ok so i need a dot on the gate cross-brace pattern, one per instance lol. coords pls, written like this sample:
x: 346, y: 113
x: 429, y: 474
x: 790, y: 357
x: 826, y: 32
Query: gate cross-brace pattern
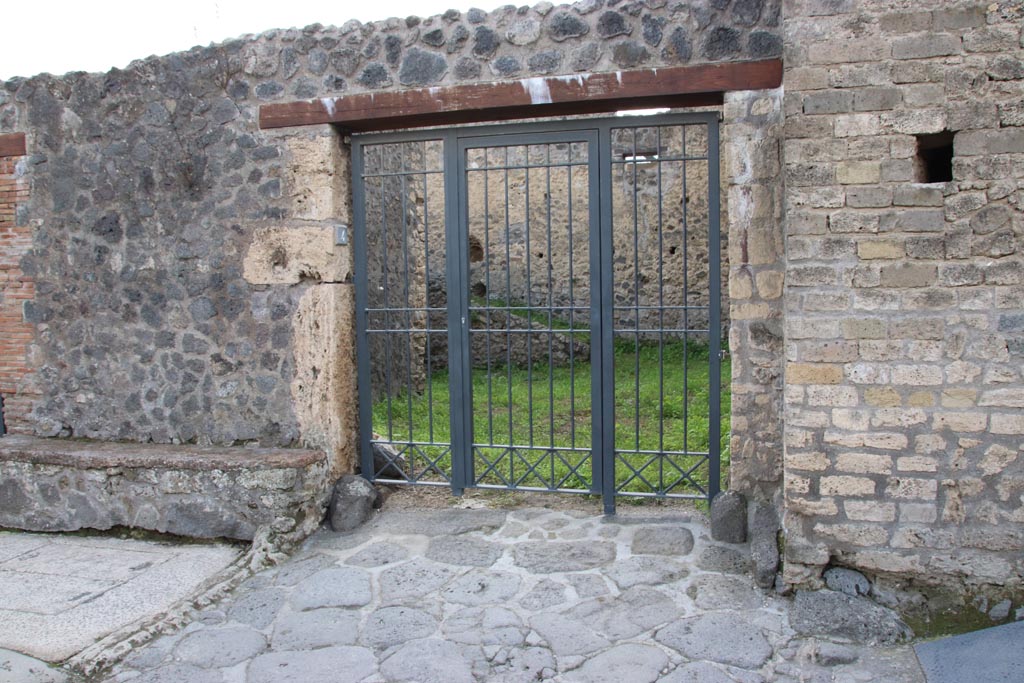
x: 538, y: 306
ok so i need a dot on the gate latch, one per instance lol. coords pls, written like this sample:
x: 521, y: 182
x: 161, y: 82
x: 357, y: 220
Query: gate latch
x: 341, y: 235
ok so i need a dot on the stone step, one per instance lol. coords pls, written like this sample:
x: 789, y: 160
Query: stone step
x: 187, y: 490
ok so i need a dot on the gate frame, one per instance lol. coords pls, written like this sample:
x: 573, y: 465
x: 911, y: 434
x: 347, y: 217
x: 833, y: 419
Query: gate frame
x: 457, y: 269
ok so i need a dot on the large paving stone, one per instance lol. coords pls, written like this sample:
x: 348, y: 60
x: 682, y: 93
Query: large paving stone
x: 828, y: 613
x: 524, y: 665
x: 717, y: 558
x: 326, y: 665
x: 627, y: 662
x: 378, y: 555
x: 568, y: 636
x: 627, y: 615
x: 176, y: 673
x: 549, y: 557
x: 428, y: 661
x: 438, y: 522
x: 589, y: 585
x: 726, y: 638
x: 697, y: 672
x: 662, y: 540
x: 715, y: 591
x: 465, y: 551
x: 413, y: 579
x: 389, y: 626
x: 335, y: 587
x: 644, y: 570
x: 545, y: 595
x: 258, y: 608
x: 485, y: 626
x: 480, y: 587
x: 212, y: 648
x: 293, y: 572
x: 315, y: 628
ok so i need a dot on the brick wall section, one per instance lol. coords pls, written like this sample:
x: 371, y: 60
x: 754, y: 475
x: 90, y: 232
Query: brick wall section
x: 15, y: 289
x: 904, y: 301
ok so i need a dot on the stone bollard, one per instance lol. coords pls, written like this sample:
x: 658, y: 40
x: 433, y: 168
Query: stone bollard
x: 729, y: 517
x: 764, y: 543
x: 353, y: 501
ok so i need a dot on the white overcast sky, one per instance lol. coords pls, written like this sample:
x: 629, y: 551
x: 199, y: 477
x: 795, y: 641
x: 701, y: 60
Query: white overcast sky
x: 77, y: 35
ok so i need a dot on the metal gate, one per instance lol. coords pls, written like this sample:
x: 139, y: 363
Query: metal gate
x: 538, y: 306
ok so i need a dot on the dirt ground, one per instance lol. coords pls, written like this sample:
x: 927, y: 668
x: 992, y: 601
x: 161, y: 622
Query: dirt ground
x: 440, y: 497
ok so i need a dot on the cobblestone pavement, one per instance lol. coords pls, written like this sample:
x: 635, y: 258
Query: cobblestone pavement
x: 453, y: 596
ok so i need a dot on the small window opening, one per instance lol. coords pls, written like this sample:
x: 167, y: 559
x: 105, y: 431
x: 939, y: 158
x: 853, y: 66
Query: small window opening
x: 935, y: 157
x: 3, y: 423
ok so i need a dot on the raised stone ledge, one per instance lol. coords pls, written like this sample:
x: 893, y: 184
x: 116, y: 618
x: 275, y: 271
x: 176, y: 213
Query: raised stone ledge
x: 265, y: 494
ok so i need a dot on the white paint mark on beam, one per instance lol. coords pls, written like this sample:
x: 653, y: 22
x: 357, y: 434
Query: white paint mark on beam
x: 578, y: 79
x: 537, y: 89
x: 328, y: 103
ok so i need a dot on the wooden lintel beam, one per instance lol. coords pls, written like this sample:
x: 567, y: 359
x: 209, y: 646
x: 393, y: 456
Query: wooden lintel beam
x: 12, y: 144
x: 529, y: 97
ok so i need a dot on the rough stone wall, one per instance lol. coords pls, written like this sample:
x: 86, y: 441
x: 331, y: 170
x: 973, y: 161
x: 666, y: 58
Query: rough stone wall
x: 904, y: 315
x: 16, y: 288
x: 151, y: 184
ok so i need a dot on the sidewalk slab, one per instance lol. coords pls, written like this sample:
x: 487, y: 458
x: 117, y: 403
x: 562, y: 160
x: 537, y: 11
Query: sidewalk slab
x: 61, y: 594
x: 991, y: 655
x: 18, y: 668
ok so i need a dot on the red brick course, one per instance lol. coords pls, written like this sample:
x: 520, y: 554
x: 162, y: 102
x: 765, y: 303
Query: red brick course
x: 16, y: 288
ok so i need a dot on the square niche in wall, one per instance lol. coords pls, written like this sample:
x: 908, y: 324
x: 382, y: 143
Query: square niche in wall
x: 934, y: 162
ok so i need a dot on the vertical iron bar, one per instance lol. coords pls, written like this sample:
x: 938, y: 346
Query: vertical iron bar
x: 602, y: 318
x: 686, y: 302
x: 529, y: 297
x: 572, y: 314
x: 508, y: 319
x: 458, y: 331
x: 636, y: 294
x: 551, y: 332
x: 428, y: 312
x: 403, y: 179
x: 361, y: 267
x: 714, y: 314
x: 385, y: 295
x: 661, y: 322
x: 487, y: 294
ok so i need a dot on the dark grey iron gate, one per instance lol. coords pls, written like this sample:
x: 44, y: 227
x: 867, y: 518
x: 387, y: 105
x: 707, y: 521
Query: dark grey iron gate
x: 538, y: 306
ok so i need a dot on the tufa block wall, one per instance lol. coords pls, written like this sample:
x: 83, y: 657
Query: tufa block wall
x: 904, y: 406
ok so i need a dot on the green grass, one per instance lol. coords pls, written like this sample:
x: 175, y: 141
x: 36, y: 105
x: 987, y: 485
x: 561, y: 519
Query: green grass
x: 549, y: 408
